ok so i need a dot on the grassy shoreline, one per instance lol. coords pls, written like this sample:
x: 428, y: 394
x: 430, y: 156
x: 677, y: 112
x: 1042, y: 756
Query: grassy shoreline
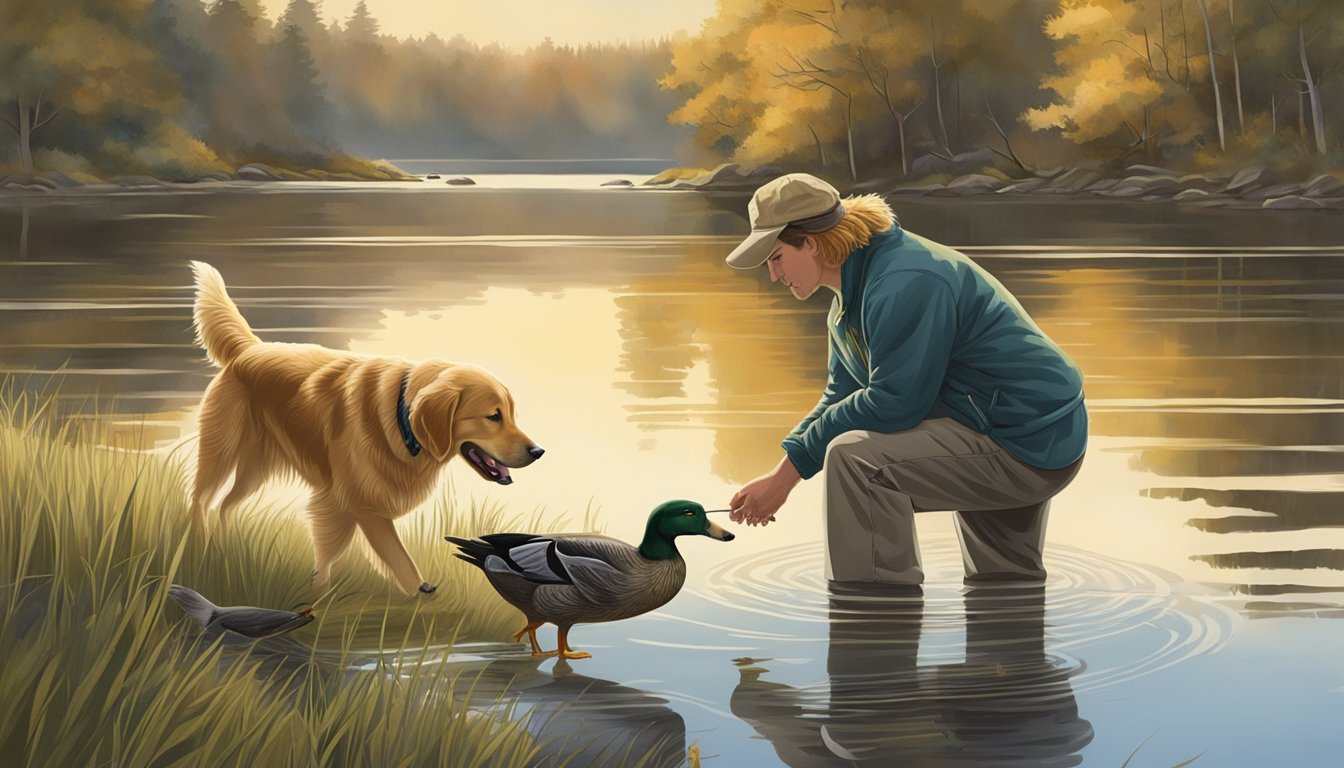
x: 102, y: 668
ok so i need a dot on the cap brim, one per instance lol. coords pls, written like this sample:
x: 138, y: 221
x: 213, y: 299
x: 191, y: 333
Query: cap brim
x: 753, y: 251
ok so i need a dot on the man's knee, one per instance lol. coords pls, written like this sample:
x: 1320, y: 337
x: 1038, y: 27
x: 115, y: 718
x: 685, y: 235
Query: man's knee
x: 849, y: 457
x: 845, y: 448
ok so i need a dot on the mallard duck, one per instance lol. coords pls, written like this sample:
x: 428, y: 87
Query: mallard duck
x: 569, y: 579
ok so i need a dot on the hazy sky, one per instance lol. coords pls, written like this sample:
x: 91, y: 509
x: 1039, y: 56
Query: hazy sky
x: 523, y: 23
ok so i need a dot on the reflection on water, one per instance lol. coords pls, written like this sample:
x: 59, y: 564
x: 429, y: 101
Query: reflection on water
x: 1097, y: 605
x: 580, y: 719
x: 1006, y: 704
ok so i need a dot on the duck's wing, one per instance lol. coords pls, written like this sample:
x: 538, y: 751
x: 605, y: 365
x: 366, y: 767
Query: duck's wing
x: 555, y: 560
x: 602, y: 568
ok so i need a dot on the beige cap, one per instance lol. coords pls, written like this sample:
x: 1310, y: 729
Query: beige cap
x: 798, y: 199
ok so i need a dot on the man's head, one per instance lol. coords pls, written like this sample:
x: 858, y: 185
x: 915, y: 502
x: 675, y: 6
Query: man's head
x: 803, y: 232
x: 798, y: 201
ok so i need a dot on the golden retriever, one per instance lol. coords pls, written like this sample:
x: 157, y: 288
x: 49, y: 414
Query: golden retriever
x: 369, y: 435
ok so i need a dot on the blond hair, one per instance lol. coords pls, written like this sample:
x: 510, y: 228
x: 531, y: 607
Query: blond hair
x: 865, y: 216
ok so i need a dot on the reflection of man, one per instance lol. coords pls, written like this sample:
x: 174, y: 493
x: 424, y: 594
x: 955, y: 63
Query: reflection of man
x: 942, y: 393
x: 1004, y: 706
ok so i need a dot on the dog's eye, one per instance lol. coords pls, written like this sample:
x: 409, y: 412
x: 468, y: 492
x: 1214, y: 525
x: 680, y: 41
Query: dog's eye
x: 496, y: 416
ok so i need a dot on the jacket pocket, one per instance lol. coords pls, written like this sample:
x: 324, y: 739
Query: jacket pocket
x: 982, y: 408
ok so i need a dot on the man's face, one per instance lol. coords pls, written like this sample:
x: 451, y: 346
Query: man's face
x: 797, y: 267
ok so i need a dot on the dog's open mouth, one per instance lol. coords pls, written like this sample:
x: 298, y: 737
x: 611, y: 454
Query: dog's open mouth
x: 486, y: 465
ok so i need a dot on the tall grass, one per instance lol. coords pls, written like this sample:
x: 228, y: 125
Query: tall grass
x: 100, y: 668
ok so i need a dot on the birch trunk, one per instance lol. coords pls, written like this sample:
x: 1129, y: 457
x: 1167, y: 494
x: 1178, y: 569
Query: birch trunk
x: 1313, y: 93
x: 849, y: 136
x: 1213, y: 74
x: 1236, y: 66
x: 25, y: 137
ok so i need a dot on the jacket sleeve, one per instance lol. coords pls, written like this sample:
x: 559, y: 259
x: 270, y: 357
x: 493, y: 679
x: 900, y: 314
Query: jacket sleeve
x: 839, y: 384
x: 910, y: 321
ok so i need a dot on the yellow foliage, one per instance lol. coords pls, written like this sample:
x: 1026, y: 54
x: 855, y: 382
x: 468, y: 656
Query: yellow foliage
x: 1078, y: 21
x: 178, y: 153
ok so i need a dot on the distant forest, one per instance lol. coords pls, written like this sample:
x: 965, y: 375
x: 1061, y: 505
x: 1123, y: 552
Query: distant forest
x: 182, y: 88
x: 856, y: 88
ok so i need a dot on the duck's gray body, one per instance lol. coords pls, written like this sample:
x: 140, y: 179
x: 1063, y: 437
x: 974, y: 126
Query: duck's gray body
x: 573, y: 578
x: 242, y: 619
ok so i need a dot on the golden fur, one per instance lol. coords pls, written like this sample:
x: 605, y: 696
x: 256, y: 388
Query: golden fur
x: 331, y: 418
x: 865, y: 216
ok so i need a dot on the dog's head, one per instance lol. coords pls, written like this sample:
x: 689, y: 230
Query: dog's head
x: 464, y: 409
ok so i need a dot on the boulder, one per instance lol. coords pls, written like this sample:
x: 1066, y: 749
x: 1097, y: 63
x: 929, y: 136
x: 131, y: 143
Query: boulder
x: 1276, y: 190
x: 1324, y: 185
x: 432, y: 176
x: 922, y: 189
x: 1247, y: 179
x: 1191, y: 194
x: 1150, y: 170
x: 975, y: 184
x: 618, y: 183
x: 138, y: 181
x: 1098, y: 187
x: 1022, y: 187
x: 1071, y: 181
x: 1124, y: 189
x: 1292, y: 202
x: 1154, y: 184
x: 1203, y: 181
x: 256, y: 172
x: 460, y: 181
x: 734, y: 176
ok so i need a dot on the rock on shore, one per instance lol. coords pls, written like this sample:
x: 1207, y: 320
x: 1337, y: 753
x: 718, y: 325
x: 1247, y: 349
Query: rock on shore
x: 960, y: 176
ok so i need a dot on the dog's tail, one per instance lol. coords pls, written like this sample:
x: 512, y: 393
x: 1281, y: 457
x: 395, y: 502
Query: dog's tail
x: 220, y: 327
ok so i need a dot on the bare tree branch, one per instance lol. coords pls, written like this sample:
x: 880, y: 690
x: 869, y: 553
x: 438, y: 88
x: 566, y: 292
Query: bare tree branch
x: 1011, y: 154
x: 50, y: 117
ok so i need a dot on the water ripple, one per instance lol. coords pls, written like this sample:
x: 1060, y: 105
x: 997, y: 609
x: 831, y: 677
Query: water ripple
x: 1106, y: 621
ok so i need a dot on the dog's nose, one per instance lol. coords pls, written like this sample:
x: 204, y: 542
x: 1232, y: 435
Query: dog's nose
x: 536, y: 451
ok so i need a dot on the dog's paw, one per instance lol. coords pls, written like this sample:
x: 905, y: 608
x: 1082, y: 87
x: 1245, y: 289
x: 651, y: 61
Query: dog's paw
x: 427, y: 589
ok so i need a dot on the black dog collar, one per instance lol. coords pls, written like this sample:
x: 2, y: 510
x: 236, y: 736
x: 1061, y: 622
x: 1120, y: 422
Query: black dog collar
x: 404, y: 420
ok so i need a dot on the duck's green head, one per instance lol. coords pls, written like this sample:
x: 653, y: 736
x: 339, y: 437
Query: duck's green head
x: 677, y: 518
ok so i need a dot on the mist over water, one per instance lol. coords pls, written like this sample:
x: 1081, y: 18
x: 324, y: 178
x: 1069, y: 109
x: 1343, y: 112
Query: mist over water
x: 1195, y: 563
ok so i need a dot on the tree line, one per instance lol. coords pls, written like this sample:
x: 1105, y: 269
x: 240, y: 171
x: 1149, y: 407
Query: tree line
x: 863, y: 86
x: 182, y: 88
x: 860, y: 88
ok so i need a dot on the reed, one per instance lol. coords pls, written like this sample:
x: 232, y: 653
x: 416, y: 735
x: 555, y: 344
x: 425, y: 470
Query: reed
x: 101, y: 668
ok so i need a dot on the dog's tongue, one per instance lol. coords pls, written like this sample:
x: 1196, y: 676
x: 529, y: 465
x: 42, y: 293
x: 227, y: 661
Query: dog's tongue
x: 498, y: 472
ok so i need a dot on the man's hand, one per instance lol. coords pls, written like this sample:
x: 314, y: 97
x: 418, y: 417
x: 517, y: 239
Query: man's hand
x: 760, y: 499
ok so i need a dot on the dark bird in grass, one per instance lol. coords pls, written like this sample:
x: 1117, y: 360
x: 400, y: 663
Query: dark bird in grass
x: 242, y: 619
x: 569, y: 579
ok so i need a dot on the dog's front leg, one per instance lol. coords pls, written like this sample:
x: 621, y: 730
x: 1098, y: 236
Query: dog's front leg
x: 382, y: 535
x: 333, y: 530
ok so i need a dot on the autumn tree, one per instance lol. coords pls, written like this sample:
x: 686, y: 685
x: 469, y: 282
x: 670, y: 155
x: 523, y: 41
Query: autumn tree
x: 1121, y: 86
x: 109, y: 77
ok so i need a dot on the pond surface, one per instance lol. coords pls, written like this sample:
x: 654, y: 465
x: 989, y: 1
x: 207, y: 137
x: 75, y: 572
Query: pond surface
x: 1196, y: 592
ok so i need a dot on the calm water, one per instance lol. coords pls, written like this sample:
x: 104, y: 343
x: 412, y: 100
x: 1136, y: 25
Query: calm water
x: 1196, y: 563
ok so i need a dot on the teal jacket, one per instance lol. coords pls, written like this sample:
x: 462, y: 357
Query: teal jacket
x: 919, y: 330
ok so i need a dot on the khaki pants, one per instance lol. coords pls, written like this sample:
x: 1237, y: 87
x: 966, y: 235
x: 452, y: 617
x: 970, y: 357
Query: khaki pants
x: 875, y: 483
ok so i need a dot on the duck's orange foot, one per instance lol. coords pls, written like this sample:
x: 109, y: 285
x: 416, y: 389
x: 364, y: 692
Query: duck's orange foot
x: 562, y: 640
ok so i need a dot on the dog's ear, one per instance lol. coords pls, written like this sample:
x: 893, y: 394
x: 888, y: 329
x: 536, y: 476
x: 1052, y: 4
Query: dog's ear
x: 433, y: 414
